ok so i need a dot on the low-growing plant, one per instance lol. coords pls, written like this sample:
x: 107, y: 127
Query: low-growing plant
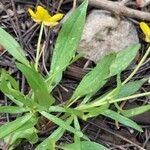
x: 39, y: 102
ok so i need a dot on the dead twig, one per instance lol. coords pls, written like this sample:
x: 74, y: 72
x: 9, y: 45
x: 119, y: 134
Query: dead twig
x: 74, y: 4
x: 59, y: 5
x: 17, y: 22
x: 119, y: 9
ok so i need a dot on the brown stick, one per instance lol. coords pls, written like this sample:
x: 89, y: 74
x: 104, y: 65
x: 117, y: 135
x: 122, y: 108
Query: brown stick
x: 119, y: 8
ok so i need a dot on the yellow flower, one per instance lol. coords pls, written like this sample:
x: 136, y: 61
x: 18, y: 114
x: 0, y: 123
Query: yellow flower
x: 42, y: 16
x: 146, y: 30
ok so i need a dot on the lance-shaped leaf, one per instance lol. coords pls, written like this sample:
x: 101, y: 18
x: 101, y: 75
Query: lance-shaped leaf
x: 38, y: 85
x: 12, y: 46
x: 117, y: 117
x: 16, y: 96
x: 10, y: 127
x: 95, y: 79
x: 62, y: 123
x: 26, y: 131
x: 130, y: 88
x: 85, y: 145
x: 123, y: 59
x: 67, y: 42
x: 136, y: 111
x: 12, y: 109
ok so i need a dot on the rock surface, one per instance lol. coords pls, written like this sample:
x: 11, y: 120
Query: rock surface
x: 104, y: 33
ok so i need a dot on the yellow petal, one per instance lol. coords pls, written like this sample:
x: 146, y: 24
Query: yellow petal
x: 47, y: 23
x: 145, y: 28
x: 34, y: 16
x: 47, y: 18
x: 37, y: 20
x: 57, y: 17
x: 41, y: 13
x: 147, y: 39
x: 31, y: 12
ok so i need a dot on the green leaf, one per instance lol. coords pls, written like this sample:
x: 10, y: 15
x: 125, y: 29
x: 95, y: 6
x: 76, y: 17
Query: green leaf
x: 12, y: 46
x: 16, y: 96
x: 93, y: 112
x: 5, y: 75
x: 77, y: 139
x: 110, y: 94
x: 85, y: 145
x: 135, y: 111
x: 27, y: 131
x: 117, y: 117
x: 28, y: 134
x: 49, y: 143
x: 123, y: 59
x: 123, y: 90
x: 95, y: 79
x: 10, y: 127
x: 67, y: 42
x: 61, y: 123
x: 65, y: 109
x: 115, y: 96
x: 38, y: 85
x: 29, y: 124
x: 12, y: 109
x: 130, y: 88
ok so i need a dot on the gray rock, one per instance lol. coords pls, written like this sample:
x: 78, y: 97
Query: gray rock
x: 104, y: 33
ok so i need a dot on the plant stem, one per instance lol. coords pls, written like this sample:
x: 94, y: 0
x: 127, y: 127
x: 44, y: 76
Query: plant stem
x: 138, y: 66
x: 38, y: 47
x: 107, y: 101
x: 127, y: 98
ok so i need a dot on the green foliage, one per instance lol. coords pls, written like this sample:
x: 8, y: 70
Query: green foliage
x: 66, y: 110
x: 117, y: 117
x: 123, y: 59
x: 61, y: 123
x: 28, y: 134
x: 15, y: 95
x: 95, y: 79
x: 12, y: 46
x: 85, y: 145
x: 136, y: 111
x: 10, y: 127
x: 38, y: 85
x: 93, y: 112
x: 27, y: 131
x: 130, y: 88
x: 38, y: 101
x: 5, y: 76
x: 12, y: 109
x: 120, y: 93
x: 67, y: 42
